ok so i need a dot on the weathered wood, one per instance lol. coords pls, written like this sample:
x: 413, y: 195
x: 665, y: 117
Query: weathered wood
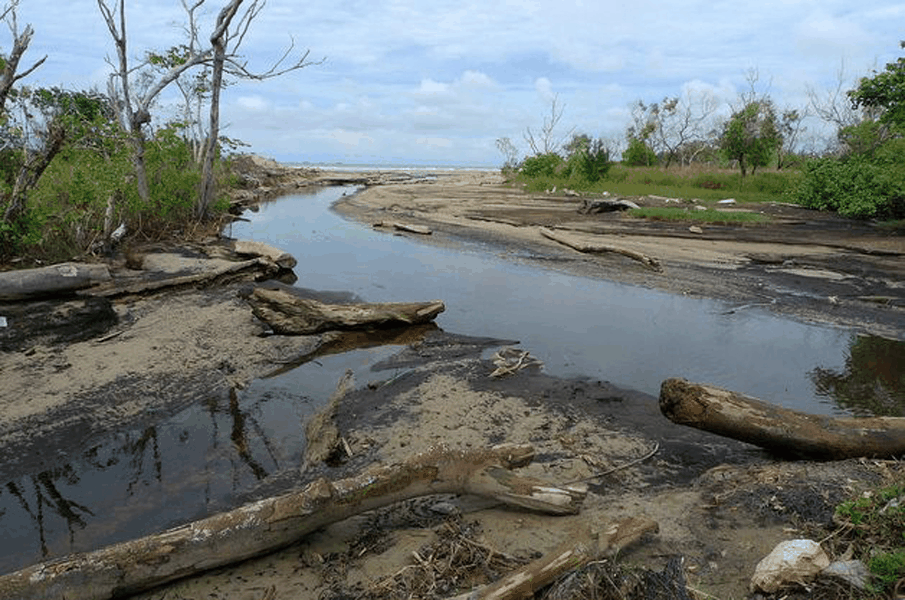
x: 230, y: 271
x: 321, y: 432
x: 571, y: 555
x: 778, y: 429
x: 58, y: 279
x: 591, y: 207
x: 273, y: 523
x: 647, y: 261
x: 408, y: 227
x: 289, y: 314
x: 282, y: 259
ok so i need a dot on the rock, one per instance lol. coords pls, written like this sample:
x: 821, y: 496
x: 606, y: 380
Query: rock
x: 590, y: 207
x: 695, y: 229
x: 699, y: 207
x: 284, y: 260
x: 792, y: 561
x: 854, y: 572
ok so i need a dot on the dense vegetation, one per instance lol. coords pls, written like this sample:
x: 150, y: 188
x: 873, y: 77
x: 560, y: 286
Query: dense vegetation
x: 676, y: 148
x: 79, y: 170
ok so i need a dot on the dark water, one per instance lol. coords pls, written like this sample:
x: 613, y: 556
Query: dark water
x: 203, y: 459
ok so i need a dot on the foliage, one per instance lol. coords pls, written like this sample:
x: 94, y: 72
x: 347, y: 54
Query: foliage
x: 884, y: 91
x: 541, y: 165
x: 875, y: 522
x: 855, y: 186
x: 751, y: 135
x: 639, y: 154
x: 589, y: 159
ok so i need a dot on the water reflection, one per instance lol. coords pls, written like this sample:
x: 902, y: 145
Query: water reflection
x: 872, y: 381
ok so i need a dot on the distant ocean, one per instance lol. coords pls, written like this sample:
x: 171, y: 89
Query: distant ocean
x: 355, y: 167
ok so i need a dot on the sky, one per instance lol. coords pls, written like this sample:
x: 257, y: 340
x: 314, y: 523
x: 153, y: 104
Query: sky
x: 436, y: 82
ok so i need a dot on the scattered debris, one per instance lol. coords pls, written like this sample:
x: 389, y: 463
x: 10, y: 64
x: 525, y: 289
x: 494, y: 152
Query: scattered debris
x: 792, y: 561
x: 512, y: 360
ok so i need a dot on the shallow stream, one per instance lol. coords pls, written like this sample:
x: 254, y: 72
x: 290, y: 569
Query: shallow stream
x: 200, y: 460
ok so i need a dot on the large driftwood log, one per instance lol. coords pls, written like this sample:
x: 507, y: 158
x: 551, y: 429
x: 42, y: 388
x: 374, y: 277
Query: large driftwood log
x: 289, y: 314
x: 778, y: 429
x: 569, y: 556
x: 50, y: 281
x: 282, y: 259
x: 273, y: 523
x: 225, y: 272
x: 649, y: 262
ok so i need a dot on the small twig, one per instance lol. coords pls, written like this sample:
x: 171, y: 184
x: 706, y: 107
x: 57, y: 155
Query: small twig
x: 632, y: 463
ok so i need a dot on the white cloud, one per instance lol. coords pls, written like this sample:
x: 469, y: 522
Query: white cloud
x: 434, y: 142
x: 544, y: 88
x: 254, y: 103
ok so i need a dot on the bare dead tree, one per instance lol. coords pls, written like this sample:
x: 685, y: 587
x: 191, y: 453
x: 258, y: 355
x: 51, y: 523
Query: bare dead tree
x: 546, y: 141
x: 35, y: 159
x: 20, y: 44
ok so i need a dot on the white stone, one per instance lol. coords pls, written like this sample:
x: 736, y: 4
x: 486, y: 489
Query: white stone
x: 792, y: 561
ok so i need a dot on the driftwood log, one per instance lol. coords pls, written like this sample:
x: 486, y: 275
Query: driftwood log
x: 59, y: 279
x: 780, y: 430
x: 321, y: 432
x: 289, y: 314
x: 649, y: 262
x: 270, y: 524
x: 569, y: 556
x: 407, y: 227
x: 282, y: 259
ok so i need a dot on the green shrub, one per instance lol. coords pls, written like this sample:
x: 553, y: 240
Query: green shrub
x: 854, y: 187
x: 542, y: 165
x: 639, y: 154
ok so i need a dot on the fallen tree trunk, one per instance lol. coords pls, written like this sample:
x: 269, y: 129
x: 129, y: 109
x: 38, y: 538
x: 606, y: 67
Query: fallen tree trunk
x: 569, y: 556
x: 778, y: 429
x: 220, y: 273
x: 270, y: 524
x: 419, y: 229
x: 647, y: 261
x: 50, y: 281
x: 289, y: 314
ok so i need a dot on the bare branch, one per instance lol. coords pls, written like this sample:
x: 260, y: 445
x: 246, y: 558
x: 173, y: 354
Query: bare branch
x: 20, y: 44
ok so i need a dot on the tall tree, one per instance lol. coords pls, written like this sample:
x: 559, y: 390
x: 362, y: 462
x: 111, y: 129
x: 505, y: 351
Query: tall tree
x: 885, y: 91
x: 751, y: 136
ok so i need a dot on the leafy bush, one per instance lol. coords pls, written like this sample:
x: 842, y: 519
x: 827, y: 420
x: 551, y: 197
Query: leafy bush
x: 854, y: 187
x: 639, y: 154
x: 542, y: 165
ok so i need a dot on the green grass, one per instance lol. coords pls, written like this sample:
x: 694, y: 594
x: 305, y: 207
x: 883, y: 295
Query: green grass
x: 698, y: 216
x: 875, y: 528
x: 697, y: 182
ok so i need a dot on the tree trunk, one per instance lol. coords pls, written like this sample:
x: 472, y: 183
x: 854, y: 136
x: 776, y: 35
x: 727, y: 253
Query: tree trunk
x: 649, y: 262
x: 270, y: 524
x: 58, y: 279
x: 777, y: 429
x: 288, y: 314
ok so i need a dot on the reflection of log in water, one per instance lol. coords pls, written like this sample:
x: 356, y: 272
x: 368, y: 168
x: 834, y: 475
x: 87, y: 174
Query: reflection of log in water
x: 347, y: 341
x: 137, y: 451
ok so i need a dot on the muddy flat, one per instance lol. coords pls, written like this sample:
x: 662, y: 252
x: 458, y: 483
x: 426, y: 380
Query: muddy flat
x: 720, y: 504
